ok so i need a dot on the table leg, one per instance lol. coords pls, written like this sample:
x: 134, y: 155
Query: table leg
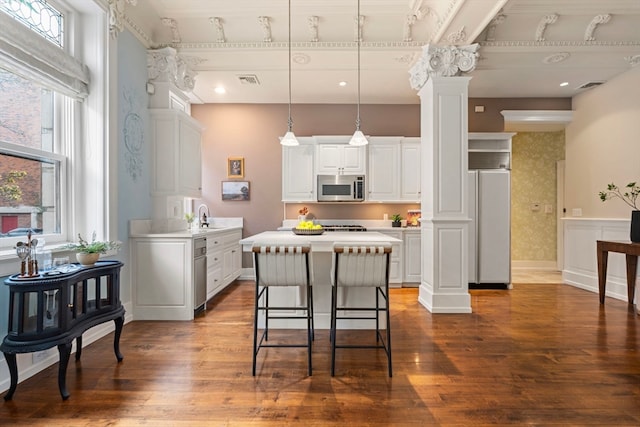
x: 632, y: 268
x: 119, y: 321
x: 602, y: 273
x: 65, y: 351
x: 78, y: 348
x: 13, y: 370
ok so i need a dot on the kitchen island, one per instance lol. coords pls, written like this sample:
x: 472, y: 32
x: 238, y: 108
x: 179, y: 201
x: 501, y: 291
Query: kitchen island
x: 321, y: 256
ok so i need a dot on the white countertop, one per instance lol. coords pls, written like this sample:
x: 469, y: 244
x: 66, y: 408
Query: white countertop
x: 321, y: 243
x: 176, y: 229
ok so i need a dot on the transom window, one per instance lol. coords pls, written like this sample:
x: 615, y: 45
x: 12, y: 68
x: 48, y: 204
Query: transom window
x: 38, y: 15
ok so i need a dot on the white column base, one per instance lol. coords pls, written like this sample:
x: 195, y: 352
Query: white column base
x: 443, y: 303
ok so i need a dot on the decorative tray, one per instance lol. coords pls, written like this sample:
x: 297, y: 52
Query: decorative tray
x: 306, y: 232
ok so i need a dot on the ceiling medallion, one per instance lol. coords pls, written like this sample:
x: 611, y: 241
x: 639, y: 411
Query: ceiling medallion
x: 301, y: 58
x: 556, y: 57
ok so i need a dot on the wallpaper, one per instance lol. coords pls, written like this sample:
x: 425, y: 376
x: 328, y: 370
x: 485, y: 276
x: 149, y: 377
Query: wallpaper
x: 533, y: 181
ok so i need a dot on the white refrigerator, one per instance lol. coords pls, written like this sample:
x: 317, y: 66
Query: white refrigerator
x: 490, y: 227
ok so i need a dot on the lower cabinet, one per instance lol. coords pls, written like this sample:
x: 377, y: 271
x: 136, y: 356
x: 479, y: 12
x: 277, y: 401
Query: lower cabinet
x: 412, y: 256
x: 224, y: 260
x: 162, y: 274
x: 396, y: 267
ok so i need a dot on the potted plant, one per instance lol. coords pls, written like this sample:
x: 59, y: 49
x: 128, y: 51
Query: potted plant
x: 396, y: 220
x: 190, y: 217
x: 87, y: 253
x: 630, y: 197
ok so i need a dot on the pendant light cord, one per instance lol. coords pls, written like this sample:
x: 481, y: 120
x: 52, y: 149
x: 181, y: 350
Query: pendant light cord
x: 290, y: 122
x: 358, y: 41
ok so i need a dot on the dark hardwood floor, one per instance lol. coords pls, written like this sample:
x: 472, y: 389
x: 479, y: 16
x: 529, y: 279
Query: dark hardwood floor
x: 543, y: 354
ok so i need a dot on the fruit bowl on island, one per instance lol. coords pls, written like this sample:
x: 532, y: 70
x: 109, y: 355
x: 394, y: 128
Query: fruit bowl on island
x: 308, y: 228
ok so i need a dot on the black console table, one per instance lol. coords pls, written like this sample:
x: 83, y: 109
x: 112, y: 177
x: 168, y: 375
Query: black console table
x: 53, y: 309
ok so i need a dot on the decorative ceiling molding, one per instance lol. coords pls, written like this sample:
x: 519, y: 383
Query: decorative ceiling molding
x: 591, y: 28
x: 559, y: 43
x: 265, y: 25
x: 542, y: 26
x: 450, y: 11
x: 138, y: 32
x: 408, y: 24
x: 117, y: 15
x: 301, y: 58
x: 166, y: 65
x: 457, y: 37
x: 173, y: 26
x: 442, y: 61
x: 219, y: 24
x: 312, y: 21
x: 633, y: 60
x: 556, y: 57
x: 359, y: 23
x: 491, y: 29
x: 300, y: 45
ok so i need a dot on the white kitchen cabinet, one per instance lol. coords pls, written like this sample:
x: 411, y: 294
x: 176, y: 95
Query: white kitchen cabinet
x: 412, y: 256
x: 224, y: 260
x: 214, y: 266
x: 410, y: 170
x: 396, y: 262
x: 176, y: 154
x: 384, y: 169
x: 340, y: 158
x: 394, y: 170
x: 298, y: 171
x: 162, y: 272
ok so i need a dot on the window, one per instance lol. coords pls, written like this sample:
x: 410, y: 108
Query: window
x: 38, y: 15
x: 54, y: 121
x: 30, y: 169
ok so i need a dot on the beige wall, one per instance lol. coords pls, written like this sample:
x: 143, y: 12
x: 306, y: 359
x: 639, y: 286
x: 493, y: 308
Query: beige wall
x: 492, y: 121
x: 533, y: 180
x: 603, y: 145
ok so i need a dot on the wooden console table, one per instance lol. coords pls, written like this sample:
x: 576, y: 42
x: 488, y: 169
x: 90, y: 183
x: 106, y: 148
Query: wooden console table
x: 631, y: 251
x: 53, y: 309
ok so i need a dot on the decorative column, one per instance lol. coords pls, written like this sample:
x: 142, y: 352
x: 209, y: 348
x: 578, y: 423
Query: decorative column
x: 171, y: 75
x: 445, y: 211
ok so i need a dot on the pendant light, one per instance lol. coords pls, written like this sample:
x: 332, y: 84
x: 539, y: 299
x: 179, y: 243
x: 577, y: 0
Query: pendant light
x: 289, y: 138
x: 358, y: 137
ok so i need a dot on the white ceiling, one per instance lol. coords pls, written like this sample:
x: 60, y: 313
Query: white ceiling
x: 517, y: 58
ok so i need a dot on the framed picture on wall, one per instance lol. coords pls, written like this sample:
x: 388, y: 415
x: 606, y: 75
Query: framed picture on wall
x: 235, y: 190
x: 235, y: 167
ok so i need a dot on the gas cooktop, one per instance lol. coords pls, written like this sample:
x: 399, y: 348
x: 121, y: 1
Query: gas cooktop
x: 339, y: 227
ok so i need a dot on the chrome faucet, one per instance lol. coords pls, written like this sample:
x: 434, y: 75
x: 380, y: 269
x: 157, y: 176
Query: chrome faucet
x: 203, y: 219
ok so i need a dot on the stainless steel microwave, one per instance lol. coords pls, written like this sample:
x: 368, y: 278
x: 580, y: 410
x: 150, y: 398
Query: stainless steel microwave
x: 341, y: 188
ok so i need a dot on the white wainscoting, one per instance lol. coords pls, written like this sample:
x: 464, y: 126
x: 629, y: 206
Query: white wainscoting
x: 580, y: 259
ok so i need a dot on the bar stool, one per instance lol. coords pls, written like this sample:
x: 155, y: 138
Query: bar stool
x: 280, y: 266
x: 361, y: 265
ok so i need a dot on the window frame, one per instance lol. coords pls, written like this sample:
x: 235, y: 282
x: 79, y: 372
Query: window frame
x: 90, y: 170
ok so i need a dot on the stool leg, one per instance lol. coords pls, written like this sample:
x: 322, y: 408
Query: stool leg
x: 255, y: 332
x: 309, y: 326
x: 388, y: 331
x: 332, y: 334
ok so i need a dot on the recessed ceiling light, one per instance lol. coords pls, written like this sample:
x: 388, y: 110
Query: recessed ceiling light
x: 220, y: 90
x: 342, y: 83
x: 563, y: 84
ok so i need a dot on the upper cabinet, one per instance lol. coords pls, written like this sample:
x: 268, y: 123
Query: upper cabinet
x: 334, y: 156
x: 394, y: 169
x: 410, y: 171
x: 298, y: 174
x: 176, y: 147
x: 490, y: 150
x: 383, y: 178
